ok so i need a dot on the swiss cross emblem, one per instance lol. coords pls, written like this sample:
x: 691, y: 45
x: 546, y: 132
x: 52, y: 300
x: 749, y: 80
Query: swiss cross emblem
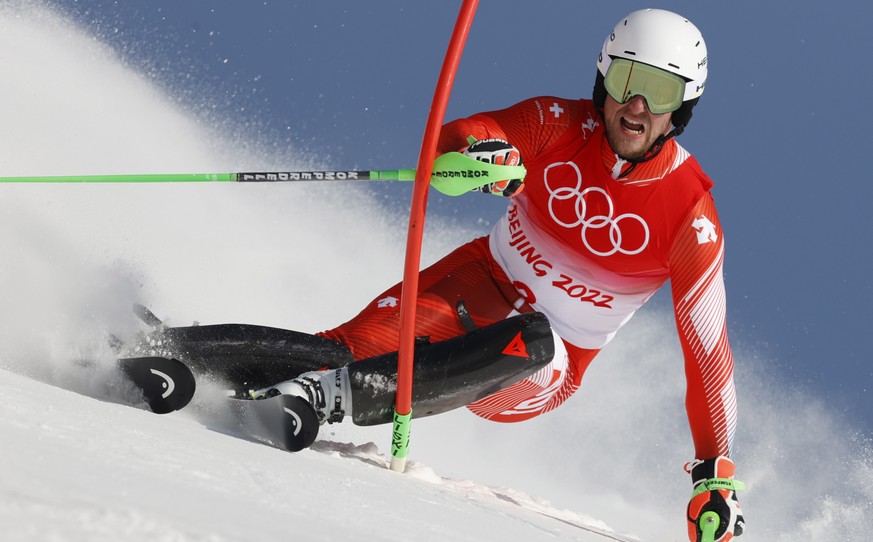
x: 556, y: 110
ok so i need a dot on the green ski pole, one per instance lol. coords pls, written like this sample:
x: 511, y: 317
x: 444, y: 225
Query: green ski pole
x: 453, y: 174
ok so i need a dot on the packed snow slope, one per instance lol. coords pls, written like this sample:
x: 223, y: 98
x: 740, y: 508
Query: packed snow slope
x: 73, y: 259
x: 86, y: 470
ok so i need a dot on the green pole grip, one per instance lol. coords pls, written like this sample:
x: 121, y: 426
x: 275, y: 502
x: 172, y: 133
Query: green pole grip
x: 455, y: 173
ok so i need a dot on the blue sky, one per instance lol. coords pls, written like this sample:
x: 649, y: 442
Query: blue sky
x: 779, y: 130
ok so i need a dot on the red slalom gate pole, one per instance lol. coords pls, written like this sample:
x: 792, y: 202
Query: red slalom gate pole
x: 409, y: 295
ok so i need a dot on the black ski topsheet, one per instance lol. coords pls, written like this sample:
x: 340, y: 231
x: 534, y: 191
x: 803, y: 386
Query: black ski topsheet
x: 455, y: 372
x: 244, y: 356
x: 167, y: 384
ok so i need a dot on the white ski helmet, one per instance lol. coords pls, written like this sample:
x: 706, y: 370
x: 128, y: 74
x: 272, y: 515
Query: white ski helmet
x: 664, y: 40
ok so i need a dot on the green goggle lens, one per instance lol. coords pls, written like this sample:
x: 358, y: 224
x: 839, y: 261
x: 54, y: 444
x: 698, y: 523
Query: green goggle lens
x: 662, y: 90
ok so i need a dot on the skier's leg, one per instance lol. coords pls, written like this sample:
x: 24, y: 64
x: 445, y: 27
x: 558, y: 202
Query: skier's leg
x: 540, y: 392
x: 467, y: 276
x: 466, y: 289
x: 447, y: 375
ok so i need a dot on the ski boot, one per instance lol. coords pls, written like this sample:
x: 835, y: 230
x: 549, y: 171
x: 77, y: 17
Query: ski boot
x: 311, y: 399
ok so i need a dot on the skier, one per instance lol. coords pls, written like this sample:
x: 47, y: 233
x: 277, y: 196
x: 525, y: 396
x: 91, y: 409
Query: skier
x: 611, y: 208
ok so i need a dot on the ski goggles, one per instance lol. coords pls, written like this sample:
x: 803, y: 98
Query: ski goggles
x: 662, y: 90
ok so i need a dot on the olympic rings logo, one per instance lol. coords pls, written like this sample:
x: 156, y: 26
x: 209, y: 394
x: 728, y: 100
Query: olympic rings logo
x: 579, y: 203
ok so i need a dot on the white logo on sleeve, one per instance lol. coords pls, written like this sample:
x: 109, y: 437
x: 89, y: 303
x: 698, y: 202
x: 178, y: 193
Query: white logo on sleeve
x: 387, y: 302
x: 705, y: 230
x: 589, y: 126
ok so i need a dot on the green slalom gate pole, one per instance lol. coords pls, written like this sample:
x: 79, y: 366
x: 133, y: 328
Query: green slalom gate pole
x: 452, y: 174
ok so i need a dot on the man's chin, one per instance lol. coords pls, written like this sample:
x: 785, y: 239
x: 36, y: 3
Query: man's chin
x: 629, y: 153
x: 630, y: 156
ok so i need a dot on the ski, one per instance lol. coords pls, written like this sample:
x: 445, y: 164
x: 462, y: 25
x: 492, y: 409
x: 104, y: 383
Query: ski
x: 284, y: 421
x: 240, y: 356
x: 167, y: 384
x: 147, y: 316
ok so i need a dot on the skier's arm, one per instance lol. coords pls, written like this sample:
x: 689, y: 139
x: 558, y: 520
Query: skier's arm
x: 509, y: 135
x: 524, y: 125
x: 696, y: 260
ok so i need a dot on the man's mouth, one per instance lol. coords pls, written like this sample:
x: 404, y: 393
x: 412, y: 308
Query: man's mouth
x: 632, y: 127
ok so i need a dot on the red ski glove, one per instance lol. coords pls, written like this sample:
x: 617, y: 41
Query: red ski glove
x: 714, y: 515
x: 497, y: 151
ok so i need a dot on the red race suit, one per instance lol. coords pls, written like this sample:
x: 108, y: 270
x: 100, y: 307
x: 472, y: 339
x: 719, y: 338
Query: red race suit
x: 586, y: 246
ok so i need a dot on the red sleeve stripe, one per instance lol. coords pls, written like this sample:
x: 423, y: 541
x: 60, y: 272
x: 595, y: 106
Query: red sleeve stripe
x: 705, y: 305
